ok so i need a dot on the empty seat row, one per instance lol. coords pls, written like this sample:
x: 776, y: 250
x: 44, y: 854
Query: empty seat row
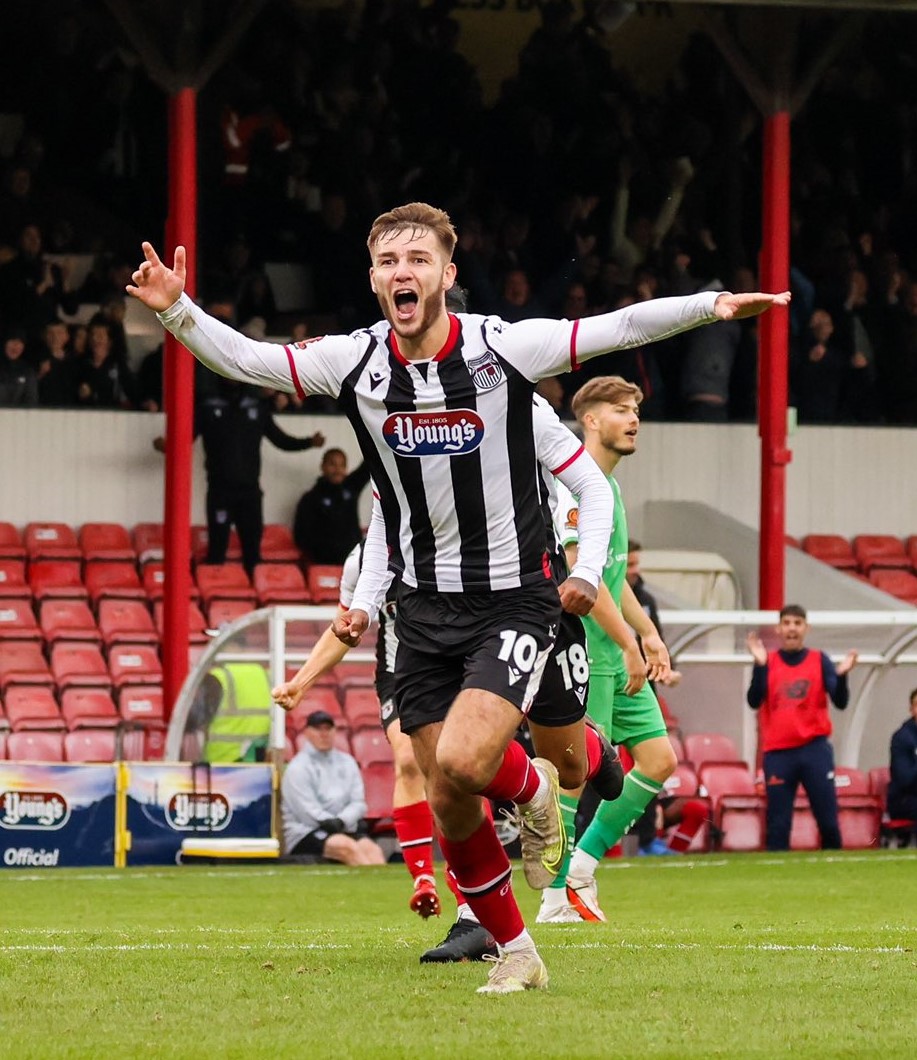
x: 27, y: 706
x: 85, y: 745
x: 77, y: 664
x: 865, y: 552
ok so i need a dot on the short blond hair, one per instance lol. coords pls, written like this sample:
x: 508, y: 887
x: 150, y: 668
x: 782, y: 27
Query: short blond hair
x: 417, y: 217
x: 601, y: 389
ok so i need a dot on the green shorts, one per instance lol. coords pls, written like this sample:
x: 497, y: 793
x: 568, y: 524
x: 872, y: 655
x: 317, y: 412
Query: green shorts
x: 628, y: 720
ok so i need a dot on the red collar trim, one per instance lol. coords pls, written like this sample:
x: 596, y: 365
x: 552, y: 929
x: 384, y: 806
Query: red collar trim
x: 451, y: 340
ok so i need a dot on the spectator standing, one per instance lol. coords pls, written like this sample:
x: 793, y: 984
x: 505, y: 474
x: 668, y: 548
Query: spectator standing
x: 232, y: 420
x: 819, y: 373
x: 323, y: 800
x: 902, y: 785
x: 18, y: 378
x: 791, y: 687
x: 101, y: 380
x: 326, y: 525
x: 32, y: 289
x: 56, y: 368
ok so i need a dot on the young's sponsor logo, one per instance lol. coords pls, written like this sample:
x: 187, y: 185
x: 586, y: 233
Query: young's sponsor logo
x: 28, y: 857
x: 192, y: 812
x: 450, y: 433
x: 33, y: 809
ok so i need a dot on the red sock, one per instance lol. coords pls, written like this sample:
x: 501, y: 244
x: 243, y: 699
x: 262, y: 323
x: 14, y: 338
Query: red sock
x: 448, y: 873
x: 693, y: 815
x: 593, y: 752
x: 516, y: 780
x: 414, y: 828
x: 483, y: 874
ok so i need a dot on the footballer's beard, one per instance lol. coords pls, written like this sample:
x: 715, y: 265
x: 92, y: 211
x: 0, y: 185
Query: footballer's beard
x: 429, y: 308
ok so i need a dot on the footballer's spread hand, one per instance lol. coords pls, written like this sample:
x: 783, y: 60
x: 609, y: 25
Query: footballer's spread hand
x: 350, y: 626
x: 577, y: 596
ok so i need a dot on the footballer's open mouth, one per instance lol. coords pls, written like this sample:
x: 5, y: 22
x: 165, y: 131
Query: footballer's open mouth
x: 405, y: 304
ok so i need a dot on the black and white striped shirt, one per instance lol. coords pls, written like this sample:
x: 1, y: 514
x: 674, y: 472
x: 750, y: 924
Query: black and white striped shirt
x: 449, y: 440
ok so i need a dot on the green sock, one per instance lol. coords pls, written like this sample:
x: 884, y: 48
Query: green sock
x: 568, y: 807
x: 612, y: 819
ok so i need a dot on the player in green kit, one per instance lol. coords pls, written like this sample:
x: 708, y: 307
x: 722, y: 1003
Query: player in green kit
x: 620, y: 701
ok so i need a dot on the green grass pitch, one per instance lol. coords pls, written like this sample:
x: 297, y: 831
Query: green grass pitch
x: 741, y: 956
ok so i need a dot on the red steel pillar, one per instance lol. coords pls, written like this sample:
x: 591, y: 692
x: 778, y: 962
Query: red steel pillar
x: 181, y: 229
x: 773, y: 388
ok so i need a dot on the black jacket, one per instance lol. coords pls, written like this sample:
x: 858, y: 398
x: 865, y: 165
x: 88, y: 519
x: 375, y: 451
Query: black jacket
x: 327, y: 524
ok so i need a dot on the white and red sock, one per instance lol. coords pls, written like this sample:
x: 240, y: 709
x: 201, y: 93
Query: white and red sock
x: 693, y: 814
x: 414, y: 829
x: 516, y: 780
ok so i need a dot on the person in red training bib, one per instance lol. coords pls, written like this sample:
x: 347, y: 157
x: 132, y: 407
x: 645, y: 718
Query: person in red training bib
x: 791, y: 688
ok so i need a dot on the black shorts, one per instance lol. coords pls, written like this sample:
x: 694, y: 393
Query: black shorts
x: 388, y: 712
x: 564, y: 689
x: 496, y: 641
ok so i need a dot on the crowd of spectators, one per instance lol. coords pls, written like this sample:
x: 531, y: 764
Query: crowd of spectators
x: 573, y: 192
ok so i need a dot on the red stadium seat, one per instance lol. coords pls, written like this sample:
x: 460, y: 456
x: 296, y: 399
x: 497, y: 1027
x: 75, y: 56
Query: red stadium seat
x: 91, y: 745
x: 224, y: 581
x: 22, y: 663
x: 17, y: 621
x: 141, y: 705
x: 830, y: 548
x: 139, y: 745
x: 224, y: 612
x: 703, y: 747
x: 378, y: 784
x: 880, y: 550
x: 12, y: 580
x: 32, y: 707
x: 317, y: 698
x: 910, y: 547
x: 370, y: 745
x: 51, y: 541
x: 35, y: 746
x: 11, y: 546
x: 68, y: 620
x: 88, y: 708
x: 277, y: 545
x: 118, y: 581
x: 57, y: 580
x: 738, y: 809
x: 860, y: 820
x: 899, y: 583
x: 361, y: 708
x: 324, y: 583
x: 892, y: 830
x: 148, y: 542
x: 154, y: 580
x: 280, y: 583
x: 677, y: 746
x: 197, y: 624
x: 200, y: 540
x: 134, y: 664
x: 683, y: 782
x: 850, y: 781
x: 76, y: 665
x: 126, y: 622
x: 355, y: 674
x: 106, y: 541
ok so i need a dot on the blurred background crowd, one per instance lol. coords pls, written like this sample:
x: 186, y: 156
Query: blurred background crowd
x: 574, y: 191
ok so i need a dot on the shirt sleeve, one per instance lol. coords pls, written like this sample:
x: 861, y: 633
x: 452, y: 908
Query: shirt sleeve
x: 835, y: 684
x: 375, y: 576
x: 315, y: 366
x: 757, y: 690
x: 539, y: 348
x: 584, y: 480
x: 349, y: 576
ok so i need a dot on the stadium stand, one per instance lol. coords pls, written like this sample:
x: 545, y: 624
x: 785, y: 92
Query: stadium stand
x: 738, y: 808
x: 75, y: 664
x: 88, y: 708
x: 57, y: 579
x: 51, y: 541
x: 126, y: 622
x: 141, y: 705
x: 370, y: 746
x: 23, y: 663
x: 225, y: 581
x: 324, y: 583
x: 378, y: 782
x: 148, y: 543
x: 106, y: 542
x: 900, y: 583
x: 361, y: 707
x: 113, y: 580
x: 277, y: 545
x: 874, y: 551
x: 11, y: 546
x: 68, y: 620
x: 683, y: 782
x: 35, y: 746
x: 134, y: 664
x: 32, y: 707
x: 17, y: 621
x: 279, y: 583
x: 701, y: 747
x: 830, y: 548
x: 91, y: 745
x: 13, y: 585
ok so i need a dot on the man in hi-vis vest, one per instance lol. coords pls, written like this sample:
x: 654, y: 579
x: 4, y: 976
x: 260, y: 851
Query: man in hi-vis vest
x: 237, y: 697
x: 791, y: 688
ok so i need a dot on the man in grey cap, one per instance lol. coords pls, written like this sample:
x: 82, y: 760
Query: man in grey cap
x: 323, y: 801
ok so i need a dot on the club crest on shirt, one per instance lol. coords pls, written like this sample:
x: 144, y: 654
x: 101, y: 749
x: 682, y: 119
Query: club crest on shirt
x: 486, y: 372
x: 452, y: 432
x: 572, y: 519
